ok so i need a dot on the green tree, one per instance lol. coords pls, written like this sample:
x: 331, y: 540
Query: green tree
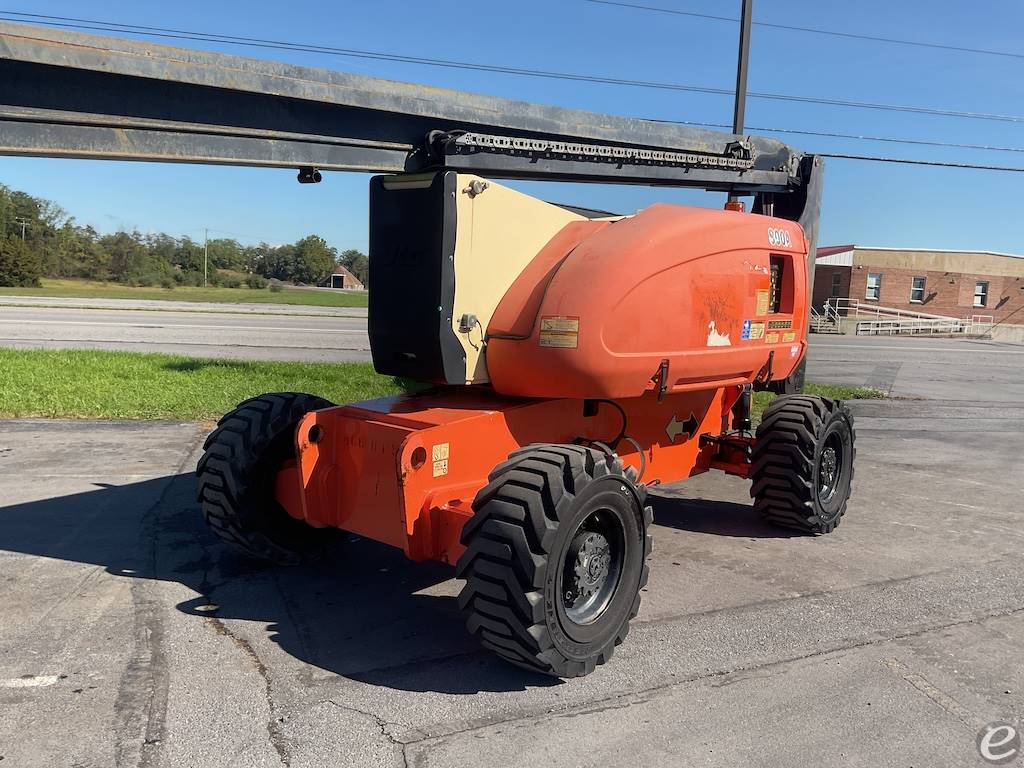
x: 226, y: 253
x: 131, y: 261
x: 19, y: 266
x: 188, y: 255
x: 60, y: 248
x: 161, y: 247
x: 91, y: 260
x: 314, y: 259
x: 276, y: 262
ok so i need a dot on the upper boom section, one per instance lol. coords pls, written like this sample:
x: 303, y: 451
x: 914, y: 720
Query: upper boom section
x: 67, y: 94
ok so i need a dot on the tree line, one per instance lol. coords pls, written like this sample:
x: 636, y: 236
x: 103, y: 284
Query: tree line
x: 39, y: 239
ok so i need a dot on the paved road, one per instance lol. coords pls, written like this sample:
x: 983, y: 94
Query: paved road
x: 900, y: 366
x: 331, y: 338
x: 132, y: 637
x: 162, y: 305
x: 952, y: 369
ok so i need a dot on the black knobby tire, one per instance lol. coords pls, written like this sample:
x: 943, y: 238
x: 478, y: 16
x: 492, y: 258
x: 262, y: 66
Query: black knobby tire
x: 802, y: 463
x: 545, y: 510
x: 237, y: 472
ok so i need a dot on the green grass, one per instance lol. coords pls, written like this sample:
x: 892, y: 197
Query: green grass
x: 92, y: 384
x: 128, y: 385
x: 834, y: 391
x: 89, y: 289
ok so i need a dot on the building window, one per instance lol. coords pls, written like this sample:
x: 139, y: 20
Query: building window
x: 980, y: 294
x: 837, y: 284
x: 917, y: 290
x: 874, y: 286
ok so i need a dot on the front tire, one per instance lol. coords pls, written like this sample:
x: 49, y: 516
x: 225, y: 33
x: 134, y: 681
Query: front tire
x: 237, y: 472
x: 802, y: 463
x: 556, y: 556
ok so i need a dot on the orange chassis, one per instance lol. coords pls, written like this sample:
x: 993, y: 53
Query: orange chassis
x: 427, y: 455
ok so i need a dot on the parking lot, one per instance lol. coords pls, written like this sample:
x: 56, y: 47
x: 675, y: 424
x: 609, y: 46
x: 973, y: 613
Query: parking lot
x: 133, y: 637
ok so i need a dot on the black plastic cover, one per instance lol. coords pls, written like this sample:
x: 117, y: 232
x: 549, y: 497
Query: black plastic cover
x: 412, y: 270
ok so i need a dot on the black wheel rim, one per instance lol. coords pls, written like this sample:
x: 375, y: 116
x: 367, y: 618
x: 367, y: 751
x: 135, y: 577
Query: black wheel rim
x: 830, y: 467
x: 592, y: 567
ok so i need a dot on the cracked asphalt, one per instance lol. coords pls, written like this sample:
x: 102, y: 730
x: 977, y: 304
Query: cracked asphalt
x: 131, y: 637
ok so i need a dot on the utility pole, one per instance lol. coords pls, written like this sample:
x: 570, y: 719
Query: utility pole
x: 206, y: 255
x: 24, y: 223
x: 743, y: 60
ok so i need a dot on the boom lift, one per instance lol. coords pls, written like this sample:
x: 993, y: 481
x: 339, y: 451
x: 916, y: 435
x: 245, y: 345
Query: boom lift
x: 574, y: 358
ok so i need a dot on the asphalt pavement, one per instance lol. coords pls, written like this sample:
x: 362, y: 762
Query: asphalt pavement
x: 937, y: 368
x: 326, y: 337
x: 902, y: 367
x: 165, y: 305
x: 132, y: 637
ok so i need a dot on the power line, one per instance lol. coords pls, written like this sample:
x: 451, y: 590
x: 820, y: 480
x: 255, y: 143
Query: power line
x: 854, y: 136
x: 102, y: 26
x: 935, y: 163
x: 814, y: 30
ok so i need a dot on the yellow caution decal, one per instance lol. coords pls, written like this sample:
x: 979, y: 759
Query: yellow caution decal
x: 559, y: 331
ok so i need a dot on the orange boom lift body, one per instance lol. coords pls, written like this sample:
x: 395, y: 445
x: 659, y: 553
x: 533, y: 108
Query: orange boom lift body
x: 572, y: 360
x: 655, y: 324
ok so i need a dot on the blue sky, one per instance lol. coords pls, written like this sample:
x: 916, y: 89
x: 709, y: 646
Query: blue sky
x: 866, y: 203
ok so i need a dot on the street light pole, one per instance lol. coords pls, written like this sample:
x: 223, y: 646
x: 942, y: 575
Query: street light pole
x: 743, y: 60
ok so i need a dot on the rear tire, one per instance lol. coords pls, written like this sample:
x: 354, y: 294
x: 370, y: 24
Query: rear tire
x: 556, y: 556
x: 237, y: 472
x: 802, y: 464
x: 791, y: 385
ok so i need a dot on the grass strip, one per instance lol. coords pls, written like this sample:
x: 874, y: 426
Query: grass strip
x: 833, y: 391
x: 95, y: 384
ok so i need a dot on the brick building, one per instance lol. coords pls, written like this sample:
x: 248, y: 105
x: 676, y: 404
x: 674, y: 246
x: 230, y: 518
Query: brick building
x: 950, y: 283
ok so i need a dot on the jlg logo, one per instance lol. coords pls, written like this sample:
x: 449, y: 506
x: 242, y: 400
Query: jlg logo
x: 779, y: 237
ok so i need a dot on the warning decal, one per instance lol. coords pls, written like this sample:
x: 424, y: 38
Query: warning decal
x: 788, y: 337
x: 772, y: 338
x: 439, y: 455
x: 752, y: 331
x: 558, y: 331
x: 763, y: 297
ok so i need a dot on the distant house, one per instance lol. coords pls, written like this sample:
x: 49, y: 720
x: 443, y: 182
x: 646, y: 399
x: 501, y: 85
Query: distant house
x: 341, y: 278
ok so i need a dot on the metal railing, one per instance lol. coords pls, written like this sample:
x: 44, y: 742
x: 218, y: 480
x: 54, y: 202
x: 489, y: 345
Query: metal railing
x: 912, y: 327
x: 891, y: 321
x: 982, y: 325
x: 826, y: 321
x: 842, y: 307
